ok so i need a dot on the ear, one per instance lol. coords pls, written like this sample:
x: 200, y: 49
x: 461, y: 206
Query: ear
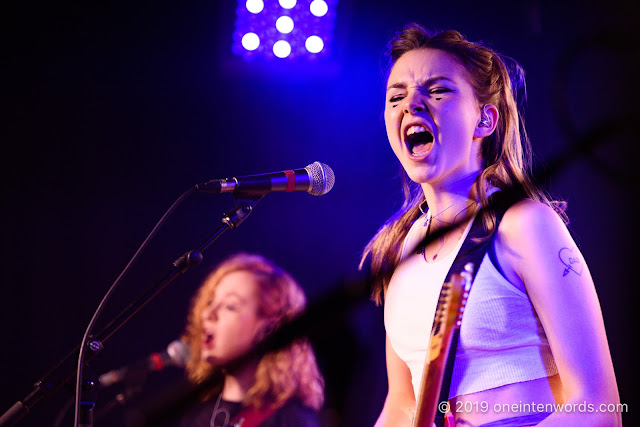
x: 487, y: 121
x: 267, y: 327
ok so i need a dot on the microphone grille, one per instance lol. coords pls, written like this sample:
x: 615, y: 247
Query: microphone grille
x: 179, y: 353
x: 322, y: 178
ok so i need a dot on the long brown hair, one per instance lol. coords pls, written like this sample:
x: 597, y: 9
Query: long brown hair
x: 291, y: 372
x: 506, y: 153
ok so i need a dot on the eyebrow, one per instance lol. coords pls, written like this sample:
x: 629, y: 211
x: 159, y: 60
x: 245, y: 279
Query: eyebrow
x: 232, y: 294
x: 427, y: 82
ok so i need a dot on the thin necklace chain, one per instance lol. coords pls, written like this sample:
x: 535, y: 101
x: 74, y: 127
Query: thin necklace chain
x: 441, y: 239
x: 430, y: 217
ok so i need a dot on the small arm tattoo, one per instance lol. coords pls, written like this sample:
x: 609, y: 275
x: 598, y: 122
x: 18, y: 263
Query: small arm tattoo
x: 570, y: 258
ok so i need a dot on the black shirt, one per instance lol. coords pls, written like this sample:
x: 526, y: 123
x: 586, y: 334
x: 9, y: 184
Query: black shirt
x: 292, y: 414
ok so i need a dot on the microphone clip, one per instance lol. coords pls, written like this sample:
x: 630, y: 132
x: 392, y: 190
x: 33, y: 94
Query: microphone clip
x: 244, y: 206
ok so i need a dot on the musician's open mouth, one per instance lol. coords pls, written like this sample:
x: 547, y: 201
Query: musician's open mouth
x: 418, y: 140
x: 207, y: 339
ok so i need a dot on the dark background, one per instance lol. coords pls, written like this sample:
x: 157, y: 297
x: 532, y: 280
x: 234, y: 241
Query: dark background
x: 110, y: 111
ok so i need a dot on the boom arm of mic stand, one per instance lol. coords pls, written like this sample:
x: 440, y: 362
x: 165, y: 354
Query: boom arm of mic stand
x: 53, y: 380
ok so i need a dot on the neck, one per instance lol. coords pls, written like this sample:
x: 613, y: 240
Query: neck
x: 238, y: 382
x: 440, y: 196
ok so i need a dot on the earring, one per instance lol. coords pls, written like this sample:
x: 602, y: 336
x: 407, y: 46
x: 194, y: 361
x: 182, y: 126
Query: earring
x: 485, y: 121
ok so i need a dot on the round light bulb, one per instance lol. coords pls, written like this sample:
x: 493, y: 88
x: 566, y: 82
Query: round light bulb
x: 250, y: 41
x: 255, y: 6
x: 314, y: 44
x: 284, y: 24
x: 318, y: 7
x: 287, y: 4
x: 281, y: 49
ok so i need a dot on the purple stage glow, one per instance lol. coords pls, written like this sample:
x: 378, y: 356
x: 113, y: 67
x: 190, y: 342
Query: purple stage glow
x: 285, y: 29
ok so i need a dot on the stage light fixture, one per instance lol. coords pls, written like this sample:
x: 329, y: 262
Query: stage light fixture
x: 304, y: 26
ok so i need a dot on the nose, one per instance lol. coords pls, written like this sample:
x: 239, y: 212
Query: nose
x: 414, y: 103
x: 209, y: 314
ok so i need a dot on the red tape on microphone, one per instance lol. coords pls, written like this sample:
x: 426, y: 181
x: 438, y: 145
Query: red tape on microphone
x: 291, y: 181
x: 156, y: 360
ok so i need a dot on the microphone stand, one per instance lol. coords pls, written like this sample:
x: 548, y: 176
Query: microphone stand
x: 54, y: 380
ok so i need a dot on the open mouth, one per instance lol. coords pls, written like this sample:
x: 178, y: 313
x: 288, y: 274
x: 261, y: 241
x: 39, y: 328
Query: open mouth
x: 207, y: 339
x: 418, y: 139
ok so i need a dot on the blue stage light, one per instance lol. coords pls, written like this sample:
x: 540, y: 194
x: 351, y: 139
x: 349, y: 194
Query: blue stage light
x: 318, y: 8
x: 305, y: 25
x: 314, y: 44
x: 281, y: 49
x: 284, y: 24
x: 255, y: 6
x: 250, y: 41
x: 287, y: 4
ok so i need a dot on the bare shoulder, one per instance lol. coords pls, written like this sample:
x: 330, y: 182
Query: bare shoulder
x: 527, y: 220
x: 529, y: 241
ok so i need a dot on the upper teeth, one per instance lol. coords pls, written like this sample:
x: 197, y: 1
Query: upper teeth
x: 416, y: 129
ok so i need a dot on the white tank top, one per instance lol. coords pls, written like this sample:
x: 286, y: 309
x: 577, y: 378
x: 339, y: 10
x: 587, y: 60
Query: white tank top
x: 501, y: 338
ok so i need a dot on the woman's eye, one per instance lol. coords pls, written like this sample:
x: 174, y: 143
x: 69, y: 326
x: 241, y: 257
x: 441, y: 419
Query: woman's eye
x: 231, y: 307
x: 439, y: 90
x: 396, y: 98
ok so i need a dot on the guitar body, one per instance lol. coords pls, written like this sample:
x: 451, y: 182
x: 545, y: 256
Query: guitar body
x: 448, y: 315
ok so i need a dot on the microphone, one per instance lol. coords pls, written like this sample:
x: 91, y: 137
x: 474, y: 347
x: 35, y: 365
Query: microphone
x: 316, y: 179
x: 176, y: 354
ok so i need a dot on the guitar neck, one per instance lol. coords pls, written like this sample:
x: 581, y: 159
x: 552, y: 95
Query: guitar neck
x: 431, y: 385
x: 448, y: 315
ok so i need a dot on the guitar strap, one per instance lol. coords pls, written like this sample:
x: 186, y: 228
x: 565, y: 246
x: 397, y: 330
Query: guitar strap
x: 471, y: 251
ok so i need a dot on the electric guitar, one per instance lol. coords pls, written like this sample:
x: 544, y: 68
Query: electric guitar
x: 451, y: 303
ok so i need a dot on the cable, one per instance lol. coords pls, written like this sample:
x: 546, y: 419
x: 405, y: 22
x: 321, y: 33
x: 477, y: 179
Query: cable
x: 111, y: 290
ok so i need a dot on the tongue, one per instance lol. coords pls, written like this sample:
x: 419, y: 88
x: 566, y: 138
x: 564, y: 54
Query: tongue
x: 421, y: 148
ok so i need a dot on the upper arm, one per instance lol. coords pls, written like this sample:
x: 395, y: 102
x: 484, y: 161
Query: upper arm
x: 398, y: 374
x: 535, y: 247
x: 400, y: 403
